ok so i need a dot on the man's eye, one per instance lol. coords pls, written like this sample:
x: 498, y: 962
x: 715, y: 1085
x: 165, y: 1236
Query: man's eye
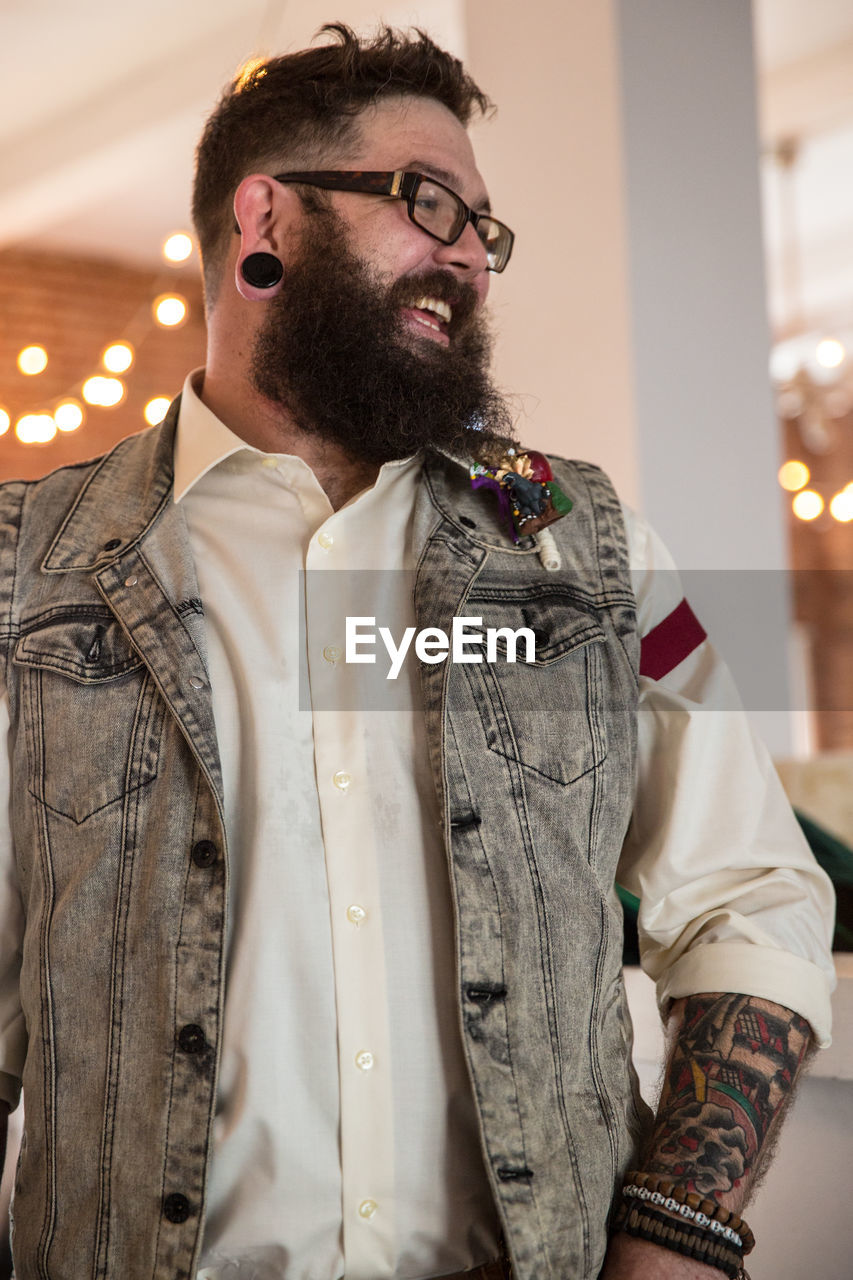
x: 428, y: 203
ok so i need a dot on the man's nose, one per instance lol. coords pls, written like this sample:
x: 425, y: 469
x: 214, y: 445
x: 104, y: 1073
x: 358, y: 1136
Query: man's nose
x: 467, y: 255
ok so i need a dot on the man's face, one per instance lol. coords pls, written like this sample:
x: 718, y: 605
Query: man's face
x: 358, y: 346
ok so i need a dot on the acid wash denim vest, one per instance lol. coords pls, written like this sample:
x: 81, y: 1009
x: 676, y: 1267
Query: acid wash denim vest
x: 120, y: 845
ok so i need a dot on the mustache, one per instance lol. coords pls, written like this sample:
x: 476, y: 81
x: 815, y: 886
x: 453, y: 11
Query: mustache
x: 442, y: 285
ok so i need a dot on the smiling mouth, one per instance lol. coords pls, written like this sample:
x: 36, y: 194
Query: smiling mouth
x: 431, y: 314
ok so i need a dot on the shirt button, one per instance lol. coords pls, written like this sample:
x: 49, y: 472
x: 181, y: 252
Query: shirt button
x: 204, y: 853
x: 364, y: 1060
x: 367, y: 1209
x: 356, y: 913
x: 176, y: 1208
x: 326, y: 541
x: 191, y: 1038
x: 131, y: 581
x: 196, y: 682
x: 342, y: 780
x: 331, y: 653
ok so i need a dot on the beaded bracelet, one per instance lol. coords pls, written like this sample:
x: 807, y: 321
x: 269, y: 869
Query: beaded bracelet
x: 691, y: 1242
x: 706, y: 1213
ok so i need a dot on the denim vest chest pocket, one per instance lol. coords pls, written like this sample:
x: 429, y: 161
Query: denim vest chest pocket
x: 546, y: 715
x: 93, y: 714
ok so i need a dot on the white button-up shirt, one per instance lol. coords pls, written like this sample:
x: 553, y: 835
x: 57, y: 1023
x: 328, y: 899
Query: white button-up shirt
x: 346, y: 1140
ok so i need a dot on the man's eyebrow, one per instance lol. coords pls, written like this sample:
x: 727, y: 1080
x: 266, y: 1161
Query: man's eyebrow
x: 449, y: 179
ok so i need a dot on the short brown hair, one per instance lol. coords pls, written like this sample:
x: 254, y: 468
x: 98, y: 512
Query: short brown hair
x: 294, y: 107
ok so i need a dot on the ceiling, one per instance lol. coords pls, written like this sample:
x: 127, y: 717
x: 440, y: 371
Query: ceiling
x: 101, y: 105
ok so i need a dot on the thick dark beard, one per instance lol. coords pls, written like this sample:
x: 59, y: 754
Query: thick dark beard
x: 335, y: 352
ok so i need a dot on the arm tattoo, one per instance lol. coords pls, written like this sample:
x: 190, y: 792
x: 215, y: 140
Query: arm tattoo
x: 730, y: 1076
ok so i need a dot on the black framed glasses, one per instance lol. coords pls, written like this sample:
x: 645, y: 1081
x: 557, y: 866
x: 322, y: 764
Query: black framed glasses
x: 432, y: 206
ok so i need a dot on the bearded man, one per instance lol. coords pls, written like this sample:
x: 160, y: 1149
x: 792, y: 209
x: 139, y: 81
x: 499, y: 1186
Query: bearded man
x: 308, y: 988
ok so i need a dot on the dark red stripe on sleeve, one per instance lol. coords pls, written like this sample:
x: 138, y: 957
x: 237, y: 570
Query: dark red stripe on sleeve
x: 670, y: 642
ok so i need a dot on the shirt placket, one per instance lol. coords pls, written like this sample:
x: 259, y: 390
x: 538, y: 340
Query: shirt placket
x: 352, y: 868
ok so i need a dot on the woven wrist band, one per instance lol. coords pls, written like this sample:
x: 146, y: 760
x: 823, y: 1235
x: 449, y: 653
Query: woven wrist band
x: 691, y: 1242
x: 664, y: 1192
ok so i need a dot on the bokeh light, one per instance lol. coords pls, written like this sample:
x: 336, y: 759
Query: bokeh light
x: 841, y: 506
x: 118, y: 357
x: 830, y: 353
x: 105, y: 392
x: 155, y: 410
x: 35, y: 428
x: 793, y: 475
x: 807, y: 505
x: 177, y: 248
x: 32, y: 360
x: 5, y: 422
x: 68, y: 416
x: 170, y: 310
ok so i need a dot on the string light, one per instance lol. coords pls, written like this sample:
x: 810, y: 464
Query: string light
x: 32, y: 360
x: 807, y: 505
x: 68, y: 416
x: 793, y: 475
x: 118, y: 357
x: 841, y: 506
x: 155, y: 410
x: 5, y: 422
x: 35, y: 428
x: 170, y: 310
x: 105, y: 392
x: 178, y: 247
x: 830, y: 353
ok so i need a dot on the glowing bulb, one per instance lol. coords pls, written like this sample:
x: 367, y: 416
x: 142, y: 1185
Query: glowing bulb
x: 155, y: 410
x: 35, y: 428
x: 105, y: 392
x: 118, y: 358
x: 170, y: 310
x: 68, y: 416
x: 32, y: 360
x: 830, y: 353
x: 841, y: 506
x: 793, y: 475
x: 5, y: 420
x: 807, y: 505
x: 178, y: 247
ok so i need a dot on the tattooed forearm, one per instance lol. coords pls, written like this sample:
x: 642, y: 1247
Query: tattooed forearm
x: 731, y: 1073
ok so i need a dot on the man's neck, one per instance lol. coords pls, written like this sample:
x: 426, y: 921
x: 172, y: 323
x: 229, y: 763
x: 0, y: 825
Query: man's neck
x: 269, y: 427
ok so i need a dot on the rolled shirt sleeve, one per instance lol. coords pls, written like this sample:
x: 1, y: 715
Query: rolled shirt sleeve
x: 731, y: 897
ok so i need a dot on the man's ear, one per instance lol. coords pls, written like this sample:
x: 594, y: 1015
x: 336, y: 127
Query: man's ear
x: 264, y: 212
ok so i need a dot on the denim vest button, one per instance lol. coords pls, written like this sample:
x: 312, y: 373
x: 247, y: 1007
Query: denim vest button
x: 204, y: 853
x: 176, y: 1208
x: 191, y: 1038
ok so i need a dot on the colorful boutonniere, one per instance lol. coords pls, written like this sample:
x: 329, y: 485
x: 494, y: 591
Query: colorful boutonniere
x: 528, y: 496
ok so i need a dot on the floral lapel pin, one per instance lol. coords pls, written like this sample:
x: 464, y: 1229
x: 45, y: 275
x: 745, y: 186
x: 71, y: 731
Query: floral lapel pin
x: 529, y: 498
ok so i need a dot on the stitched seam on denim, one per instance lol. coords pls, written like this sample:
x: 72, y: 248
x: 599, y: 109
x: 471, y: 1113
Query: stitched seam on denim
x: 546, y: 968
x: 46, y: 1013
x: 487, y: 676
x: 60, y: 813
x: 129, y: 832
x: 516, y: 1105
x: 177, y: 615
x: 13, y: 630
x: 66, y: 668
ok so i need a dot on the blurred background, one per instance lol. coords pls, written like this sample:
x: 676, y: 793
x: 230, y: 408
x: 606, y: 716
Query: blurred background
x: 679, y: 309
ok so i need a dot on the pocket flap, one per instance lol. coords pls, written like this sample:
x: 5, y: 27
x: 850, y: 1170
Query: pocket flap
x: 87, y: 646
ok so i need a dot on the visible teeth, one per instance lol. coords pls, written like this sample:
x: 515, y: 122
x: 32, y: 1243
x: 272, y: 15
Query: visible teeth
x: 441, y: 309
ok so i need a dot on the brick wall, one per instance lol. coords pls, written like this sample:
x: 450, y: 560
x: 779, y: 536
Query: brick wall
x: 74, y: 308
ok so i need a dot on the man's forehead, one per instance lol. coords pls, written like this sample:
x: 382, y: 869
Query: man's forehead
x: 406, y: 132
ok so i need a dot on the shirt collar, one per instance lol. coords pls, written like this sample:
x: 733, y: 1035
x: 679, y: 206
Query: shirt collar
x: 202, y: 441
